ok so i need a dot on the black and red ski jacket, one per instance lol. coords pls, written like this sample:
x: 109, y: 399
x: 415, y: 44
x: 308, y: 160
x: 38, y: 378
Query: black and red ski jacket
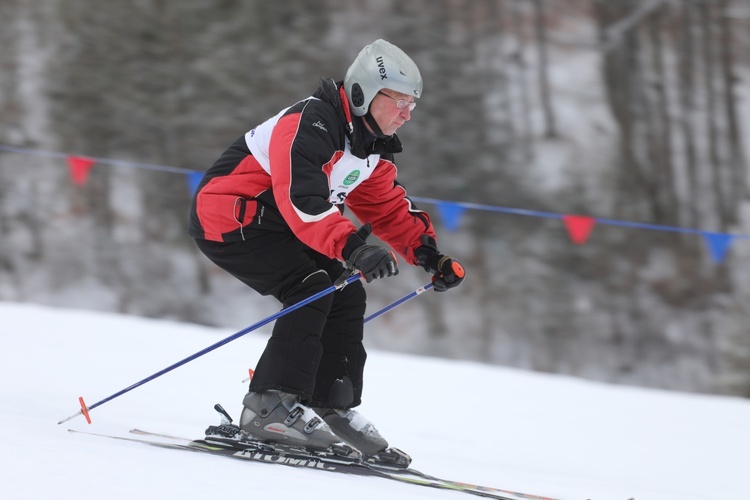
x: 306, y: 163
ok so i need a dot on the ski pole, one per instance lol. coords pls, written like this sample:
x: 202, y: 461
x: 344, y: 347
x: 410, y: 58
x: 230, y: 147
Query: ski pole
x: 339, y: 284
x: 400, y: 301
x: 374, y: 315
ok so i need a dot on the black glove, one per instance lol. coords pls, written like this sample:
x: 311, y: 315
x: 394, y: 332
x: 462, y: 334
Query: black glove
x: 447, y: 271
x: 371, y: 260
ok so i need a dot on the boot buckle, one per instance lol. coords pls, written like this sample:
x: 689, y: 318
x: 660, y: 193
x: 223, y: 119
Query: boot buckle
x: 294, y: 415
x: 312, y: 425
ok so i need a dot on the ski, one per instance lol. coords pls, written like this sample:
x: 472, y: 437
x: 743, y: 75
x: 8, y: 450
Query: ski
x: 260, y: 452
x: 156, y: 434
x: 399, y: 470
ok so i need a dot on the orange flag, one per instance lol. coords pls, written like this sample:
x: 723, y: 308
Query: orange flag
x: 79, y: 167
x: 579, y: 227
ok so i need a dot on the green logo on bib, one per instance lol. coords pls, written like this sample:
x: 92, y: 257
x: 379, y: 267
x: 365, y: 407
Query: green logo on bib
x: 351, y: 178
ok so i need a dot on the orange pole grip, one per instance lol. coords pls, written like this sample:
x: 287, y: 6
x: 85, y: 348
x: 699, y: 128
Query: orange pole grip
x: 458, y: 269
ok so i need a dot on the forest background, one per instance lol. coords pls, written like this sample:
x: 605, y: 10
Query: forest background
x: 624, y: 110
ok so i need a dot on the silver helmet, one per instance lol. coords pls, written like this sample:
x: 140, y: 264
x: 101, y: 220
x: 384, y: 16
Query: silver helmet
x: 380, y: 65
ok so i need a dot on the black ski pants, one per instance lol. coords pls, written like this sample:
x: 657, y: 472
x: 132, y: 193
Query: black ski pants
x: 316, y: 351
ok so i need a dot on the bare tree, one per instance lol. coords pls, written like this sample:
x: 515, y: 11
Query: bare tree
x: 550, y: 127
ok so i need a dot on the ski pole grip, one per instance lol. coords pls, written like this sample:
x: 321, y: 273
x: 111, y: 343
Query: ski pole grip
x: 458, y: 269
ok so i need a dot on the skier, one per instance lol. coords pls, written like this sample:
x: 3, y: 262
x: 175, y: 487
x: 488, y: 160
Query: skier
x: 270, y: 212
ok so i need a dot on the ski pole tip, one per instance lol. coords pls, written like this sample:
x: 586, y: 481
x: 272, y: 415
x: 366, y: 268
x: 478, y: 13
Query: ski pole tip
x: 70, y: 417
x: 250, y: 372
x: 83, y: 411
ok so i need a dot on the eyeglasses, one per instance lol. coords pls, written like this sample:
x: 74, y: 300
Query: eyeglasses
x: 400, y: 103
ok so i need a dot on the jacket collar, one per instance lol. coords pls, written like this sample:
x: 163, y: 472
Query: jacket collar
x: 360, y: 138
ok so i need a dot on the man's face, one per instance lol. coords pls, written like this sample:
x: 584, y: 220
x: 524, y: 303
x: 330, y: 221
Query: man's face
x: 386, y: 112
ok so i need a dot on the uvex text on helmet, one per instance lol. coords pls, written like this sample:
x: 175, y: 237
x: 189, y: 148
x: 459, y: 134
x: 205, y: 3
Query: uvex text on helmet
x: 380, y: 65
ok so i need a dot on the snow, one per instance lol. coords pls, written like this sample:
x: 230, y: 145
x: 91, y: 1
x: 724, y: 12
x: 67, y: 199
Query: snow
x: 536, y: 433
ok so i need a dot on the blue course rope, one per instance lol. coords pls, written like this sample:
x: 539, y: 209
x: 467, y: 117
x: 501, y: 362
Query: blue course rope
x: 463, y: 205
x: 553, y: 215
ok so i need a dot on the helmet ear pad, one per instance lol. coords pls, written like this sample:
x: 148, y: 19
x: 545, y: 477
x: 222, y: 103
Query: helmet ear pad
x: 358, y: 97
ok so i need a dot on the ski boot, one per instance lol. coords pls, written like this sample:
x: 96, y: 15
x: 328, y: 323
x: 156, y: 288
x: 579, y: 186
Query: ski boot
x: 359, y: 432
x: 276, y: 417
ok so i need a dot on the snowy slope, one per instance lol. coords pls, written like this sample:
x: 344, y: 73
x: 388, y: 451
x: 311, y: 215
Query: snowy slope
x: 552, y: 435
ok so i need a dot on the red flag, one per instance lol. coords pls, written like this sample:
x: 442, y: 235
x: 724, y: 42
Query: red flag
x: 79, y: 167
x: 579, y: 227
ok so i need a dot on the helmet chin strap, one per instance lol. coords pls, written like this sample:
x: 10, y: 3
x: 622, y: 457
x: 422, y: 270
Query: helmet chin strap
x: 374, y: 126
